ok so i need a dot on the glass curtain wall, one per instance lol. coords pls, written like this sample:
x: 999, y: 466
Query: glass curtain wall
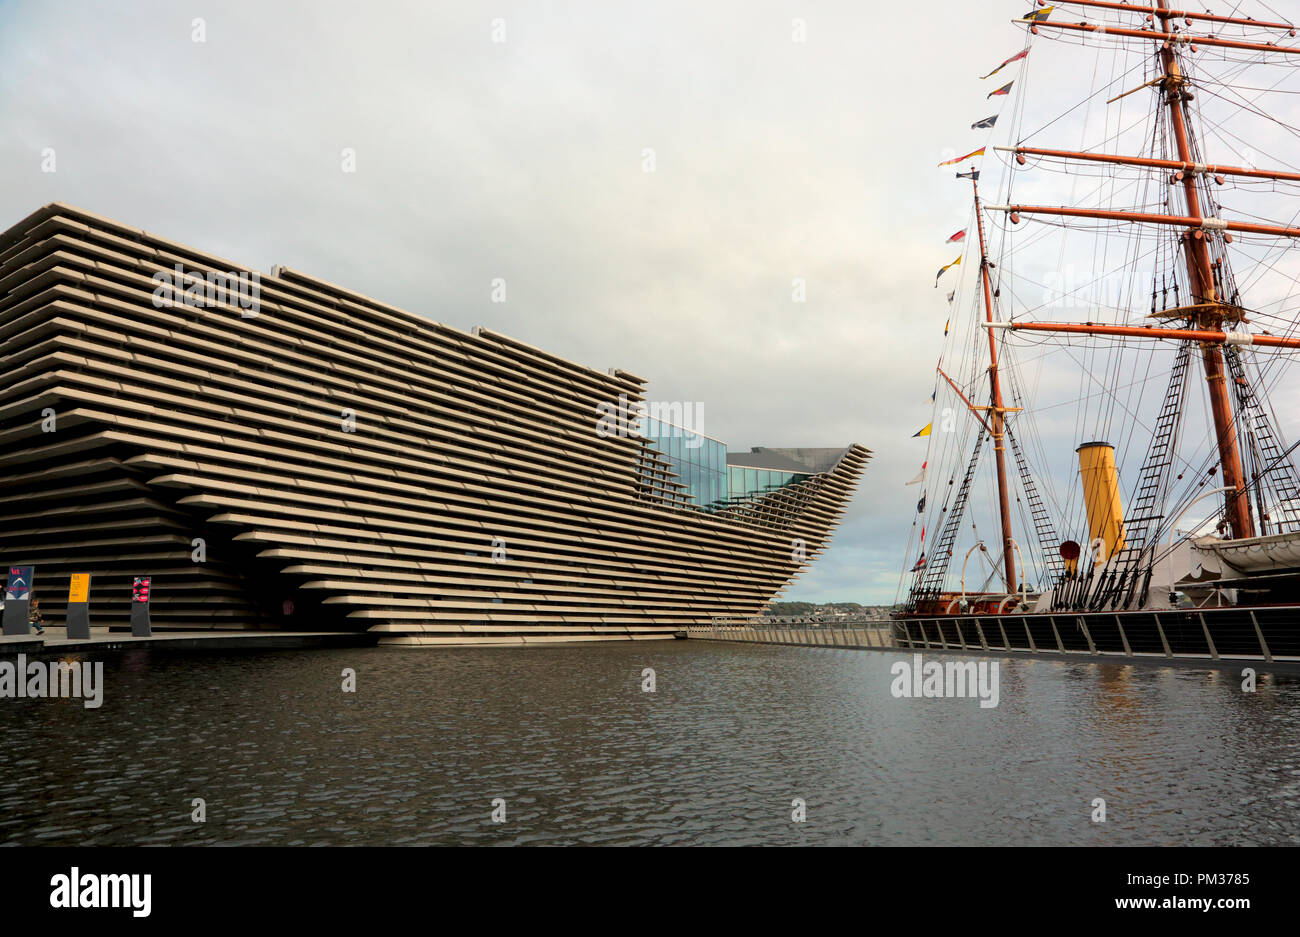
x: 699, y: 461
x: 743, y: 482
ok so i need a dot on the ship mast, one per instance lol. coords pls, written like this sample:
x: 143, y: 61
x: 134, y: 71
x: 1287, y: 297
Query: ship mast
x: 997, y: 412
x: 1201, y: 276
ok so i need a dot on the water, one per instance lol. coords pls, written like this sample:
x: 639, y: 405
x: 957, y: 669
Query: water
x: 580, y: 754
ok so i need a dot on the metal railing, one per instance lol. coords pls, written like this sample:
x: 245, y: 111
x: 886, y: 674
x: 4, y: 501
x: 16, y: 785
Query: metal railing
x: 862, y: 632
x: 1263, y: 634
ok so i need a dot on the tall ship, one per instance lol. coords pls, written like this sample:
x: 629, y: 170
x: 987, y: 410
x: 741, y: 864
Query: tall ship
x: 1107, y: 471
x: 278, y: 452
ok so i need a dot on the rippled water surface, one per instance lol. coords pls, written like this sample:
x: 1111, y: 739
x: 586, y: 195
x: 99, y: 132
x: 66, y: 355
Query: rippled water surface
x: 733, y: 734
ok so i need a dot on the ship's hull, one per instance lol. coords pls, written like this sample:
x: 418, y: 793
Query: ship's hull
x: 333, y: 462
x: 1263, y: 634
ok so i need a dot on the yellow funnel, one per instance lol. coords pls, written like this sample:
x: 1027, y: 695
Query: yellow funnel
x: 1101, y: 497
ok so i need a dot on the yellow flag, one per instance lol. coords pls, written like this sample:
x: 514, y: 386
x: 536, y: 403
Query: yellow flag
x: 962, y: 159
x: 944, y: 269
x: 924, y: 432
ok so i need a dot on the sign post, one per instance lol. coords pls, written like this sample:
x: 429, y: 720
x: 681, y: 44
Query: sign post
x: 140, y: 608
x: 18, y: 599
x: 79, y: 607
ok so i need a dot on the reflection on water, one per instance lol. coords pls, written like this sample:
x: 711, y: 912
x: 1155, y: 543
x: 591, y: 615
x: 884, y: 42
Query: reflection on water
x: 733, y: 734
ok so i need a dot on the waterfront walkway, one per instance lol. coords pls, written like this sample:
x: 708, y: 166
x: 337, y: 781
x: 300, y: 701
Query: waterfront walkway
x: 55, y: 640
x: 1227, y: 638
x: 802, y: 633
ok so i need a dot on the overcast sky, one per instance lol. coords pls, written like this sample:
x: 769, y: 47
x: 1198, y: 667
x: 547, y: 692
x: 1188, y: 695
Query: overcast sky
x: 525, y: 159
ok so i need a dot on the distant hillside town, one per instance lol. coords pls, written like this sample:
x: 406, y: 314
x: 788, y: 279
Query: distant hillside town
x: 827, y: 611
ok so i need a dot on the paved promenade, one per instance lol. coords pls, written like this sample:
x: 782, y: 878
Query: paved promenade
x: 55, y: 640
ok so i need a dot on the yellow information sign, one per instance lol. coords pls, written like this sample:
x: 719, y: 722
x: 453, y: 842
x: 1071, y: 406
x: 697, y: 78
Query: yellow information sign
x: 80, y: 590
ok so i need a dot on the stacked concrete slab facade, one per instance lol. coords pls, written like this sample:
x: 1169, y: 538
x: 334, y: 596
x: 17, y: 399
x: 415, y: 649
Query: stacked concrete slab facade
x: 337, y: 463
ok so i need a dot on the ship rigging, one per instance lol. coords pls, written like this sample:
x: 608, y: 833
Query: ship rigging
x: 1126, y: 553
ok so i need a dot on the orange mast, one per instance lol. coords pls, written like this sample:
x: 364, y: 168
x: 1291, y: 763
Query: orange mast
x: 1171, y: 37
x: 1186, y: 221
x: 1164, y: 34
x: 1022, y: 151
x: 1145, y: 331
x: 1188, y: 15
x: 1203, y: 290
x: 997, y: 412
